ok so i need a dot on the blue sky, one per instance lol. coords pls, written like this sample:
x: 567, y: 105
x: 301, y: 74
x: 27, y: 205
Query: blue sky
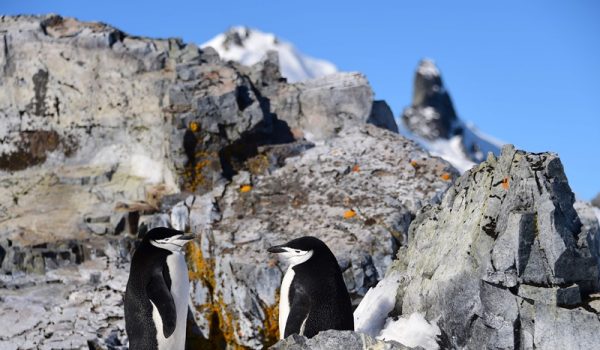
x: 526, y: 72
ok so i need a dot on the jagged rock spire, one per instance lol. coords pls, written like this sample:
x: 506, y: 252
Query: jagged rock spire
x: 431, y: 114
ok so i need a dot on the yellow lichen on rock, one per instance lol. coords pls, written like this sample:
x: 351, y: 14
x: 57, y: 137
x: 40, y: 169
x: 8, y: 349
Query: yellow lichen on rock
x: 270, y: 331
x: 258, y: 165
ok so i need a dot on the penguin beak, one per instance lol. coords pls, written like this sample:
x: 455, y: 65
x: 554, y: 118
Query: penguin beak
x: 276, y: 249
x: 186, y: 237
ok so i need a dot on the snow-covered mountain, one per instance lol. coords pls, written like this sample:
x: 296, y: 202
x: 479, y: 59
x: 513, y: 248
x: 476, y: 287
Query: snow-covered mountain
x: 248, y: 46
x: 432, y: 121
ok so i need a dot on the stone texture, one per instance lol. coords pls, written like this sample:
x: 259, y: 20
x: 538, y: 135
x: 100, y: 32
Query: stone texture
x: 501, y: 256
x: 336, y: 340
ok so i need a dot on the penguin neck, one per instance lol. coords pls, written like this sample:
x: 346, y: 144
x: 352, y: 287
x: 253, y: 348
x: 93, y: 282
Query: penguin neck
x: 298, y: 260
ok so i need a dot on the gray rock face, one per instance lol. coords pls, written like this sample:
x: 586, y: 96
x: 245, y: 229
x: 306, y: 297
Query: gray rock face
x: 432, y: 114
x: 336, y: 340
x: 504, y: 259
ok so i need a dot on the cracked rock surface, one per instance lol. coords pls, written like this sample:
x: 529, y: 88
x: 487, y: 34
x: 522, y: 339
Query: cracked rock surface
x: 504, y: 260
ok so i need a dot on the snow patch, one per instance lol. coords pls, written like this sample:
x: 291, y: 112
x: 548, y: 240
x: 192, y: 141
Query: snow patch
x: 249, y: 46
x: 427, y: 68
x: 371, y: 313
x: 412, y: 331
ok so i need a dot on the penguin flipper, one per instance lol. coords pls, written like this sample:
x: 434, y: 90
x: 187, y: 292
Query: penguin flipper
x: 299, y: 309
x: 161, y: 297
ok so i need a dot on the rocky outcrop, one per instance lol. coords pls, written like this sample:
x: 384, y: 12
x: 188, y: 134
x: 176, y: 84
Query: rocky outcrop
x: 432, y: 120
x: 336, y: 340
x: 108, y: 135
x: 382, y: 116
x: 431, y: 115
x: 504, y: 260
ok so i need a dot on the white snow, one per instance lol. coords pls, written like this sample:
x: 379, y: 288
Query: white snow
x: 597, y: 212
x: 370, y: 315
x: 458, y: 150
x: 412, y: 331
x: 255, y: 45
x: 428, y: 69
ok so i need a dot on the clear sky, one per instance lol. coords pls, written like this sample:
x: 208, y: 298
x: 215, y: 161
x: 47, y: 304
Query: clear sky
x: 525, y: 72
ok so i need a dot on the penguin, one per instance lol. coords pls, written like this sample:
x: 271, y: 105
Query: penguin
x: 313, y: 296
x: 157, y: 292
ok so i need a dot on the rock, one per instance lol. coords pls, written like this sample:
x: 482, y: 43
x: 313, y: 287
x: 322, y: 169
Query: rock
x: 336, y: 340
x: 500, y: 256
x: 382, y: 116
x: 321, y: 107
x: 596, y: 201
x: 180, y: 217
x: 432, y: 114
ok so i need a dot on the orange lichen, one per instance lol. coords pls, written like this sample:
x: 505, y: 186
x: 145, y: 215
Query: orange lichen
x: 414, y: 163
x: 349, y: 214
x: 355, y: 168
x: 270, y: 330
x: 221, y: 323
x: 505, y: 183
x: 245, y: 188
x: 446, y: 176
x: 194, y: 174
x: 194, y: 126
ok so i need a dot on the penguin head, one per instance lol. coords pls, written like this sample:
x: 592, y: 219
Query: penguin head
x: 168, y: 239
x: 299, y: 250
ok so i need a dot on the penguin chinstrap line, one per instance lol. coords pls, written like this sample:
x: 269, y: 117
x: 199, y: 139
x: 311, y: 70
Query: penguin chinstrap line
x: 313, y: 295
x: 157, y: 294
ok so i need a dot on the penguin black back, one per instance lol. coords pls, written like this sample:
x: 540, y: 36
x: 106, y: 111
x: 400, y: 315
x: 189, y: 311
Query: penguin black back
x: 150, y: 283
x: 318, y: 297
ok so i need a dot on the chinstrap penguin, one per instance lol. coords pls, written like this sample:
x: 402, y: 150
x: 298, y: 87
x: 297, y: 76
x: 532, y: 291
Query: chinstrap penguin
x: 313, y: 295
x: 157, y: 294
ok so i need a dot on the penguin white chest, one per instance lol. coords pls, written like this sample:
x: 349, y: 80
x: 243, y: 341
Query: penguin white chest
x: 284, y: 301
x: 180, y: 290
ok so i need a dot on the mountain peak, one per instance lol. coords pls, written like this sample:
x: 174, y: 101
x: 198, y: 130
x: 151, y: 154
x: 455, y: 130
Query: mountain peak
x: 431, y: 118
x: 249, y: 46
x: 428, y: 69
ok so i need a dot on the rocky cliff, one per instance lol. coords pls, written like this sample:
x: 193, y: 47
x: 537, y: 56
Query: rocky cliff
x: 107, y: 135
